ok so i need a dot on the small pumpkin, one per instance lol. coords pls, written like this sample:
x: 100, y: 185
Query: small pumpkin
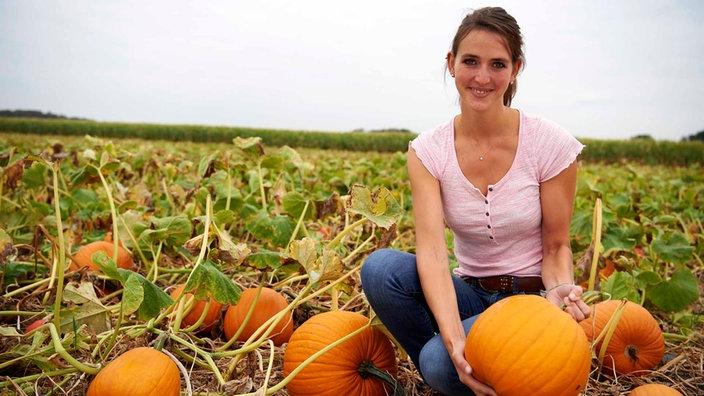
x: 82, y: 257
x: 654, y: 390
x: 211, y: 317
x: 140, y: 371
x: 524, y: 344
x: 268, y: 304
x: 347, y: 369
x: 637, y: 344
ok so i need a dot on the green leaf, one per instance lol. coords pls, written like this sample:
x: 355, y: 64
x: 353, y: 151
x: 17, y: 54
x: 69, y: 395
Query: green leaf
x: 677, y: 250
x: 617, y: 239
x: 172, y: 230
x: 264, y: 259
x: 107, y: 265
x: 380, y: 207
x: 36, y: 175
x: 676, y: 293
x: 274, y: 228
x: 620, y: 285
x: 132, y: 294
x: 207, y: 280
x: 153, y: 298
x: 83, y: 174
x: 294, y: 203
x: 648, y: 278
x: 251, y: 147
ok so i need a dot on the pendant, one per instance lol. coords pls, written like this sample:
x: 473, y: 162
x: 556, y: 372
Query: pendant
x: 481, y: 158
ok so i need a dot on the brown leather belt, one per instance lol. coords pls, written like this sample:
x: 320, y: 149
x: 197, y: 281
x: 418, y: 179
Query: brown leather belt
x: 507, y: 283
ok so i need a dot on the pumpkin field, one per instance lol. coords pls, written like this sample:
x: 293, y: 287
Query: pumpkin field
x: 135, y: 266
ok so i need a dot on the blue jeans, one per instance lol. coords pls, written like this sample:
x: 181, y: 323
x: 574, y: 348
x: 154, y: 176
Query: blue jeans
x: 391, y: 284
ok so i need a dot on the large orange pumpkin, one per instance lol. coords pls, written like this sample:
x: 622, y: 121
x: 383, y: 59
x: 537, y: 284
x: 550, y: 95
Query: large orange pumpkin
x: 140, y: 371
x: 269, y: 303
x: 525, y: 345
x: 337, y: 372
x: 654, y: 390
x: 82, y: 257
x: 211, y: 317
x: 637, y: 344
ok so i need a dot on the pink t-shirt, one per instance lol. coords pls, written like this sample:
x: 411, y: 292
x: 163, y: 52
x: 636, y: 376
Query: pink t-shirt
x: 499, y: 233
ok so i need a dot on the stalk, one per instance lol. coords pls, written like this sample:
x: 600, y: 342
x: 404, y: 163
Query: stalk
x: 596, y: 240
x: 56, y: 340
x: 368, y: 369
x: 201, y: 257
x: 60, y: 262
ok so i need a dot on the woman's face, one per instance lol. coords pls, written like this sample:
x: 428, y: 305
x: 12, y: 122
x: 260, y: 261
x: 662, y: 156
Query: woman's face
x: 482, y: 69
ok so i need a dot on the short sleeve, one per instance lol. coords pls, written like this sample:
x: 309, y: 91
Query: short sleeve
x: 555, y: 151
x: 431, y: 149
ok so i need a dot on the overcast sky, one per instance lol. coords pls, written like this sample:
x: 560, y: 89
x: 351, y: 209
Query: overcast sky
x: 601, y: 68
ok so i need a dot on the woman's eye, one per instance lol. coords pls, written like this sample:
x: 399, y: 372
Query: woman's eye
x: 499, y: 65
x: 470, y: 61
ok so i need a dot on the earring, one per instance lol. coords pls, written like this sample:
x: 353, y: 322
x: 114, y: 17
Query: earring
x: 453, y: 75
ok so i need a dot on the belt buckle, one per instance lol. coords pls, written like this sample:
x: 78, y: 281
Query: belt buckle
x: 506, y: 283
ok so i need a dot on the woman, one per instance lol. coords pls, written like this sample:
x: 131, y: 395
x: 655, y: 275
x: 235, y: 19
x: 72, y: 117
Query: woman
x: 504, y: 182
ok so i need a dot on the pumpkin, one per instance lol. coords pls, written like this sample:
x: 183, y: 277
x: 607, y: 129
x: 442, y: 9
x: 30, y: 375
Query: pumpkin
x: 654, y: 390
x: 524, y: 344
x: 82, y: 257
x: 637, y: 343
x: 346, y: 369
x: 140, y: 371
x: 211, y: 317
x: 268, y: 304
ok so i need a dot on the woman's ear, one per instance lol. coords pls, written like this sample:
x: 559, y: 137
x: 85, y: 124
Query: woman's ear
x: 516, y: 69
x: 450, y: 63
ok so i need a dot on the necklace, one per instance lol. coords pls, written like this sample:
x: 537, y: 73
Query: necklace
x: 488, y: 150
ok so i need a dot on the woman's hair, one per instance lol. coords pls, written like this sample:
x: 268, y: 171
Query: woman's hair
x: 494, y: 20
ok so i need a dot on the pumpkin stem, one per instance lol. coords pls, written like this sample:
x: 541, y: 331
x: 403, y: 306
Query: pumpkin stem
x: 368, y: 369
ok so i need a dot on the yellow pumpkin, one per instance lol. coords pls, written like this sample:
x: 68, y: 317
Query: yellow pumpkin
x: 140, y: 371
x: 269, y: 303
x: 360, y: 366
x: 525, y: 345
x: 211, y: 317
x: 654, y: 390
x: 637, y: 344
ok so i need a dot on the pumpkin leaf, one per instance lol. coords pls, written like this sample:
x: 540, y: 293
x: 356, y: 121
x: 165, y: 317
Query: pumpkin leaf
x: 675, y: 293
x: 273, y: 228
x: 132, y: 295
x: 380, y: 207
x: 675, y: 250
x: 35, y: 176
x: 228, y: 251
x: 294, y: 203
x: 620, y: 285
x: 152, y: 299
x: 172, y: 230
x: 649, y: 278
x: 264, y: 259
x: 329, y: 266
x: 207, y: 280
x: 87, y: 309
x: 251, y: 147
x: 305, y: 253
x: 326, y: 267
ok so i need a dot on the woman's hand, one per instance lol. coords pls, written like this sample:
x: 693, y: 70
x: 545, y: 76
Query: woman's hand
x: 465, y: 372
x: 569, y: 298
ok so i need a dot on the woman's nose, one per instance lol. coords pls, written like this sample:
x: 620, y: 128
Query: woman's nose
x: 482, y: 76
